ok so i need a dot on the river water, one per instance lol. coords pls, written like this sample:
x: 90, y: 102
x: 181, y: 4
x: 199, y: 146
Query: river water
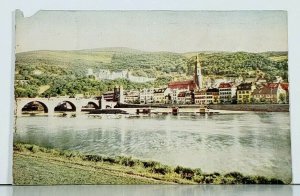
x: 250, y: 143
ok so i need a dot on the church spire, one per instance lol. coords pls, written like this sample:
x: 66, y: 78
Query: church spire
x: 198, y: 74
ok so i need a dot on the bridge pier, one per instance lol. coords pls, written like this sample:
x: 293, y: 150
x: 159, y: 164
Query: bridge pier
x: 51, y: 109
x: 18, y: 111
x: 78, y: 109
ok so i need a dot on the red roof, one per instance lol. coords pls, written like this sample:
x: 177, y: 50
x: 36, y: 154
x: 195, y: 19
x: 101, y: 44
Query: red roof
x: 182, y: 82
x: 265, y: 91
x: 225, y: 85
x: 272, y: 85
x: 285, y: 86
x: 188, y: 84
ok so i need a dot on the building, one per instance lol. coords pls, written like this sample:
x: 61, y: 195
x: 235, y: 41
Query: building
x: 132, y: 97
x: 207, y: 96
x: 162, y: 95
x: 270, y: 93
x: 158, y: 95
x: 139, y: 79
x: 146, y: 95
x: 225, y: 92
x: 117, y: 95
x: 174, y: 95
x: 188, y: 97
x: 105, y: 74
x: 198, y: 74
x: 213, y: 95
x: 189, y: 85
x: 184, y: 97
x: 200, y: 97
x: 244, y: 92
x: 109, y: 96
x: 183, y: 85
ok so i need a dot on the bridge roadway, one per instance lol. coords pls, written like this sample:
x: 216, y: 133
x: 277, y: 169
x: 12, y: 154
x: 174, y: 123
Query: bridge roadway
x: 50, y: 103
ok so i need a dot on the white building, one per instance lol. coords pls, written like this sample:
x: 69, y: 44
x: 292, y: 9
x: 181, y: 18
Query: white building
x: 225, y: 92
x: 146, y: 95
x: 162, y: 95
x: 139, y: 79
x: 105, y: 74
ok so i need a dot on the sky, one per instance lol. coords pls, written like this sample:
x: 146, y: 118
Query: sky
x: 173, y: 31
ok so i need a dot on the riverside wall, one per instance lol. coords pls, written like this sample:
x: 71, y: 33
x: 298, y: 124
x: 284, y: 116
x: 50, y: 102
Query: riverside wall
x: 253, y: 107
x: 232, y: 107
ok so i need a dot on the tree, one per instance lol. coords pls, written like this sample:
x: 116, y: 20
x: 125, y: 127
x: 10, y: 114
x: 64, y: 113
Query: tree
x: 282, y: 98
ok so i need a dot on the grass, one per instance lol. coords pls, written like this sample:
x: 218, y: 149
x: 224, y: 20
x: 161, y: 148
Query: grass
x: 34, y: 165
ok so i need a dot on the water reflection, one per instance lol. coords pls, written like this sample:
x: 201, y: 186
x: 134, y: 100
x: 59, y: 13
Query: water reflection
x: 219, y: 141
x: 251, y: 143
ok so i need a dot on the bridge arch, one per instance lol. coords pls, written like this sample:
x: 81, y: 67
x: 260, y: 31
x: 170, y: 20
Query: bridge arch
x: 89, y: 105
x: 50, y: 105
x: 96, y: 106
x: 34, y: 105
x: 65, y: 106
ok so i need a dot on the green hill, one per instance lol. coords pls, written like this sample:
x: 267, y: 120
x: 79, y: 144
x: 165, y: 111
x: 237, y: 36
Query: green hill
x: 65, y: 71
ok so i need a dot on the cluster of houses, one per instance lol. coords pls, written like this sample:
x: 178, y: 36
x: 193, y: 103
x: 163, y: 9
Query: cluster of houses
x: 255, y: 90
x: 184, y: 92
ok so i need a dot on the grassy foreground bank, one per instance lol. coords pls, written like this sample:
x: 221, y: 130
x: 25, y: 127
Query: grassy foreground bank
x: 34, y: 165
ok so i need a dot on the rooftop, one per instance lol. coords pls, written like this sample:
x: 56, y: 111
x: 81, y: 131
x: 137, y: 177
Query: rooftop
x: 244, y: 86
x: 225, y: 85
x: 188, y: 84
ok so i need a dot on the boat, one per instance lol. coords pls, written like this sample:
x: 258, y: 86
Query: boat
x: 108, y: 111
x: 204, y: 109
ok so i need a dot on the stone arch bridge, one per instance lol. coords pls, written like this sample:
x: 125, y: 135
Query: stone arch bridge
x: 49, y: 104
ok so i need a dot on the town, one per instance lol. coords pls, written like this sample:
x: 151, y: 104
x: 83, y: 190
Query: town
x: 200, y: 92
x: 196, y: 92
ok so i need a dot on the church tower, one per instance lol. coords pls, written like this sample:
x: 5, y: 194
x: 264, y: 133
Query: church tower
x: 198, y: 74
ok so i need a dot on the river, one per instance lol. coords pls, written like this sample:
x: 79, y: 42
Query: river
x: 250, y: 143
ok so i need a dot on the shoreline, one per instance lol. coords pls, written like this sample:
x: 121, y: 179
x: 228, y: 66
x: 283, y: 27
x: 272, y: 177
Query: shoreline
x: 229, y: 107
x: 35, y: 165
x: 190, y: 109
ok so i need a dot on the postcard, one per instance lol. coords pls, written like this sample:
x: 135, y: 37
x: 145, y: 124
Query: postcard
x: 151, y: 97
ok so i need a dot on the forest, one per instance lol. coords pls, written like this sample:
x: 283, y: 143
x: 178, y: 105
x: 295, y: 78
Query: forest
x: 59, y: 73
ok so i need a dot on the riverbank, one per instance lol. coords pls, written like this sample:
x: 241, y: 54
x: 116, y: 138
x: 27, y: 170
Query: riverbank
x: 34, y: 165
x: 253, y: 107
x: 229, y: 107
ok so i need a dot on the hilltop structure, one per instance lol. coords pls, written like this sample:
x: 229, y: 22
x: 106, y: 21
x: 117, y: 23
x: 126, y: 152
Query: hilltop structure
x: 105, y: 74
